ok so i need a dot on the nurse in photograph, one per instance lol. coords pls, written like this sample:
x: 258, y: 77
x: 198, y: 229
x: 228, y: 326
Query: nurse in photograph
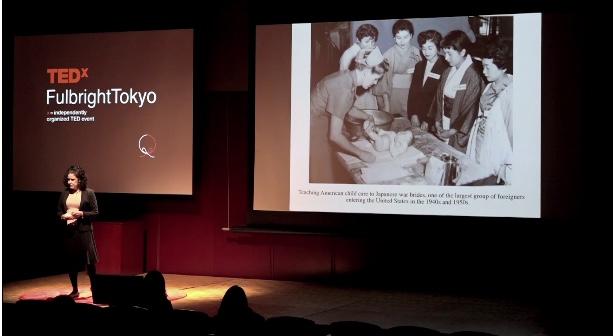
x: 332, y: 98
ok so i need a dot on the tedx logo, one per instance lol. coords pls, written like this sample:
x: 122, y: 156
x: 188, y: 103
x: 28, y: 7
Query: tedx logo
x: 67, y: 75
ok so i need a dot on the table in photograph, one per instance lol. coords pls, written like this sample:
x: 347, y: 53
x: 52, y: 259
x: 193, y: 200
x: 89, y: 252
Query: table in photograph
x: 406, y: 168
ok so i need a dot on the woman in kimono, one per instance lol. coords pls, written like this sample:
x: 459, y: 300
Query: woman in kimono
x: 491, y: 138
x: 402, y: 58
x: 456, y: 103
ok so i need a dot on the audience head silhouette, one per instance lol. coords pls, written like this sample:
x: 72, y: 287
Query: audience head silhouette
x: 155, y: 283
x: 234, y: 316
x: 233, y: 302
x: 155, y: 291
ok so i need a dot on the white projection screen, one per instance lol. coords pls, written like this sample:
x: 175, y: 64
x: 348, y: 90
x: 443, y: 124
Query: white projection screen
x: 424, y: 176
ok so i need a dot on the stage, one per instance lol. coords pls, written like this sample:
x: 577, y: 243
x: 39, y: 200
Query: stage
x: 325, y: 304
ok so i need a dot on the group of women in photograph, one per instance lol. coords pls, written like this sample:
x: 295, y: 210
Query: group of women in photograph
x: 465, y: 100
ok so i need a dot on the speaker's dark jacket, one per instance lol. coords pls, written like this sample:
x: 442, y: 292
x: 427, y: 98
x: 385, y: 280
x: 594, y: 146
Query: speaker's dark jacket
x: 89, y: 206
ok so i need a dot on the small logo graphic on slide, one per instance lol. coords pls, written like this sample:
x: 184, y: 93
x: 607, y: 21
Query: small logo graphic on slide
x: 147, y: 145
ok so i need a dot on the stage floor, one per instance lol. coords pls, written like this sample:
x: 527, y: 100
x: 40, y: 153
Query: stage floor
x: 325, y: 304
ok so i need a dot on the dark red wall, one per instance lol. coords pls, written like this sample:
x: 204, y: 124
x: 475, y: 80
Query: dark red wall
x: 186, y: 236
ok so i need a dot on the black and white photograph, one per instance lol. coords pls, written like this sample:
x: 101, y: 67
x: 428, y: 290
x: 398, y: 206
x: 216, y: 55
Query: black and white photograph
x: 436, y: 107
x: 424, y: 101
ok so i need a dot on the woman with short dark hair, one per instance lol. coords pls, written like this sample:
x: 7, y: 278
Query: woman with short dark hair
x: 366, y: 40
x: 456, y: 102
x: 491, y: 138
x: 425, y: 79
x: 402, y: 57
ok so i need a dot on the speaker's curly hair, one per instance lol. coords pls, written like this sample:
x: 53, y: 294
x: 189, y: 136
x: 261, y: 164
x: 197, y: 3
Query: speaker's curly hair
x: 79, y: 173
